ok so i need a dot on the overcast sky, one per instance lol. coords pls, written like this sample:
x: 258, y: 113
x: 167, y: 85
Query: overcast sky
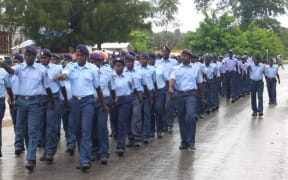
x: 189, y: 18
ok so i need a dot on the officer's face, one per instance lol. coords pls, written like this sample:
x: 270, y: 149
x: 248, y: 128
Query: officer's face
x: 16, y: 61
x: 165, y: 54
x: 44, y: 60
x: 98, y: 62
x: 185, y: 59
x: 271, y: 62
x: 129, y: 64
x: 230, y: 54
x: 118, y: 66
x: 143, y: 61
x: 54, y: 60
x: 81, y: 58
x: 151, y: 61
x: 29, y: 58
x: 207, y: 61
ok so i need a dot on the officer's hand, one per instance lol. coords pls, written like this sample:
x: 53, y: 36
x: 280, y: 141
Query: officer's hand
x: 52, y: 105
x: 114, y: 102
x: 66, y: 104
x: 12, y: 105
x: 104, y: 108
x: 2, y: 64
x: 203, y: 100
x: 140, y: 99
x: 171, y: 92
x: 56, y: 78
x: 150, y: 101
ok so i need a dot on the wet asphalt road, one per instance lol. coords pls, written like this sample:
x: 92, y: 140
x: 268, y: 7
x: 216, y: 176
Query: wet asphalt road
x: 230, y: 145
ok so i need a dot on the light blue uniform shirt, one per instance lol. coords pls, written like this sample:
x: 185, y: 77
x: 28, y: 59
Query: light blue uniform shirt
x: 161, y: 77
x: 14, y: 84
x: 244, y: 67
x: 256, y: 72
x: 32, y: 79
x: 105, y: 78
x: 186, y: 77
x: 4, y: 82
x: 52, y: 71
x: 150, y: 75
x: 229, y: 64
x: 271, y: 72
x: 122, y: 84
x: 84, y: 80
x: 138, y: 78
x: 211, y: 71
x: 167, y: 65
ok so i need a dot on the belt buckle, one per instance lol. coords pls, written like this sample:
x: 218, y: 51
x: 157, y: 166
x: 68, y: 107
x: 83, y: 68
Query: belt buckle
x: 79, y: 98
x: 27, y: 97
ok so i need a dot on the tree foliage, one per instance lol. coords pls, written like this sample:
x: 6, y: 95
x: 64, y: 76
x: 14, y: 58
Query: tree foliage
x: 217, y: 35
x: 142, y: 41
x: 248, y: 11
x: 57, y: 24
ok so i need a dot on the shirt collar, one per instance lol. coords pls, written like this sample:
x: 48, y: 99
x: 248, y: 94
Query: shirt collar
x: 25, y: 65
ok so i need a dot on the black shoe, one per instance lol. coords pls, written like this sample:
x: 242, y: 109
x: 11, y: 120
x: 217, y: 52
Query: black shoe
x: 145, y: 141
x: 43, y: 157
x: 130, y: 144
x: 191, y: 148
x: 152, y: 135
x: 104, y: 160
x: 30, y: 165
x: 85, y: 167
x: 159, y: 135
x: 18, y: 152
x: 1, y: 155
x: 260, y: 114
x: 120, y: 152
x: 183, y: 146
x: 70, y: 152
x: 137, y: 145
x: 254, y: 114
x: 233, y: 100
x: 49, y: 159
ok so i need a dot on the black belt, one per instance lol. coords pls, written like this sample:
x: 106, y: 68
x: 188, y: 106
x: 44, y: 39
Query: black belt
x: 187, y: 91
x: 256, y: 81
x: 82, y: 97
x: 29, y: 97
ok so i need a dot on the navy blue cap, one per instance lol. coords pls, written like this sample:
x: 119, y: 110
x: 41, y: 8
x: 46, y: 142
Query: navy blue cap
x: 230, y: 51
x: 132, y: 53
x: 118, y: 59
x: 113, y: 56
x: 144, y: 55
x: 152, y: 55
x: 56, y: 56
x: 67, y: 56
x: 83, y: 49
x: 244, y: 57
x: 257, y: 56
x: 18, y: 57
x: 123, y: 52
x: 31, y: 49
x: 187, y: 52
x: 96, y: 56
x: 45, y: 52
x: 166, y: 48
x: 194, y: 56
x: 129, y: 57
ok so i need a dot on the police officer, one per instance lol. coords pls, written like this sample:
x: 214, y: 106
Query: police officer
x: 256, y: 73
x: 147, y: 98
x: 167, y: 64
x: 230, y: 68
x: 4, y: 85
x: 121, y: 100
x: 19, y: 137
x: 84, y: 80
x: 185, y: 81
x: 100, y: 142
x: 271, y: 73
x: 32, y: 78
x: 53, y: 116
x: 140, y: 83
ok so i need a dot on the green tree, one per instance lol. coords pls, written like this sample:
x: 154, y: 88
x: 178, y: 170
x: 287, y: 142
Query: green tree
x: 58, y: 24
x: 142, y: 41
x: 260, y: 11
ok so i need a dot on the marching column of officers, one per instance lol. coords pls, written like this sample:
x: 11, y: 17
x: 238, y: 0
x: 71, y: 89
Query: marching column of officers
x: 139, y: 94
